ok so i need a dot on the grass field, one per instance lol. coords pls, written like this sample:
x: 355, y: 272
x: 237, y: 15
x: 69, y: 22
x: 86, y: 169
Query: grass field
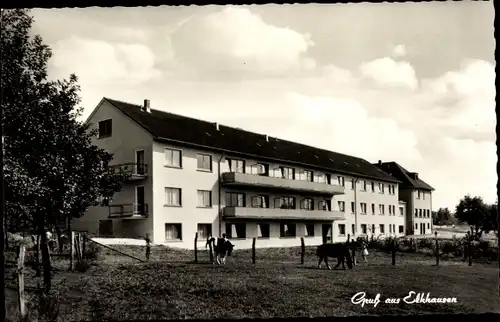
x: 172, y: 286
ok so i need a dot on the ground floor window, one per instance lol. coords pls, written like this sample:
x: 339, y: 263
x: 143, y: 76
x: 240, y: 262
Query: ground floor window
x: 353, y: 227
x: 416, y: 226
x: 173, y: 231
x: 309, y: 230
x: 341, y: 230
x: 363, y: 228
x: 428, y: 226
x: 390, y: 229
x: 373, y: 228
x: 382, y: 229
x: 263, y: 230
x: 288, y: 230
x: 401, y: 229
x: 236, y: 230
x: 204, y: 230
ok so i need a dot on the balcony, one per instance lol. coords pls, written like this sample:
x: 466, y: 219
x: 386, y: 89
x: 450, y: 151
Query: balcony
x: 135, y: 171
x: 235, y: 179
x: 128, y: 211
x: 281, y: 214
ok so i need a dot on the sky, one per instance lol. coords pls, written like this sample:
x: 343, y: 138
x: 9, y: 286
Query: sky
x: 407, y: 82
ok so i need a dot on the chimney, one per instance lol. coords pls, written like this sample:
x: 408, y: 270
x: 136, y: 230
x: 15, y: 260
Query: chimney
x: 216, y: 126
x: 267, y: 138
x: 147, y: 106
x: 379, y: 162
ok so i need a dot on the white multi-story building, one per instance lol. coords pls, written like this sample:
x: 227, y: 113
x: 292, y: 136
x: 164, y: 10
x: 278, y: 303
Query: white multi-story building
x: 190, y: 176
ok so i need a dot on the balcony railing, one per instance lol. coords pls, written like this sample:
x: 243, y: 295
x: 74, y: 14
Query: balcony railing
x: 130, y: 211
x: 260, y: 181
x: 135, y: 171
x: 281, y: 214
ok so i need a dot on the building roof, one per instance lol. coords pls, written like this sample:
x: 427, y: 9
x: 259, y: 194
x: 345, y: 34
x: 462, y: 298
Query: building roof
x: 173, y: 128
x: 408, y: 179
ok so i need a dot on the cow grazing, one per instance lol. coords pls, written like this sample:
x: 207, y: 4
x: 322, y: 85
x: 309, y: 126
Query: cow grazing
x: 220, y: 249
x: 338, y: 250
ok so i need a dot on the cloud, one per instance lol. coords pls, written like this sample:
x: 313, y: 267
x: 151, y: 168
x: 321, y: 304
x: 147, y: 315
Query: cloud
x: 399, y: 51
x: 100, y: 61
x: 234, y: 40
x: 388, y: 72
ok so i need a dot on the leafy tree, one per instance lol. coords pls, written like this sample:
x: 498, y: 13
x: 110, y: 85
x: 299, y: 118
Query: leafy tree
x: 491, y: 220
x: 474, y: 212
x: 52, y: 171
x: 443, y: 217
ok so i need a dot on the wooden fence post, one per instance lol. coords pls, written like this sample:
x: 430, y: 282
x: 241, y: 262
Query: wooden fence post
x: 393, y: 242
x: 211, y: 252
x: 437, y: 248
x: 470, y: 249
x: 71, y: 250
x: 83, y: 245
x: 302, y: 250
x: 20, y: 282
x: 253, y: 250
x: 196, y: 247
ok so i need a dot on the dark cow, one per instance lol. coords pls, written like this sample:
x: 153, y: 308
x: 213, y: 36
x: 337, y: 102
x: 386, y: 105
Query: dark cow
x: 336, y: 250
x: 220, y: 250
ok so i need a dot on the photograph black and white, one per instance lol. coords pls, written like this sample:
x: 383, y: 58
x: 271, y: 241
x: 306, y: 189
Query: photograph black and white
x: 249, y: 161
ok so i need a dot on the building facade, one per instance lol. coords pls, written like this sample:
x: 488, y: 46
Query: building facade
x: 189, y: 176
x: 416, y: 194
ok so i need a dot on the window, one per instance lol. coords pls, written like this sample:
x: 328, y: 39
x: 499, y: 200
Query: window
x: 341, y: 181
x: 420, y: 213
x: 263, y: 230
x: 284, y: 202
x: 353, y: 207
x: 428, y: 226
x: 105, y: 128
x: 306, y: 176
x: 204, y: 162
x: 307, y: 204
x: 381, y: 187
x: 204, y: 198
x: 173, y: 158
x: 363, y: 228
x: 428, y: 213
x: 401, y: 229
x: 260, y: 201
x: 260, y: 169
x: 416, y: 212
x: 401, y: 211
x: 204, y: 230
x: 393, y: 228
x: 353, y: 227
x: 237, y: 166
x: 235, y: 199
x: 390, y: 229
x: 353, y: 184
x: 287, y: 173
x: 320, y: 177
x: 173, y: 197
x: 392, y: 189
x: 341, y: 230
x: 382, y: 229
x: 363, y: 208
x: 373, y: 228
x: 373, y: 209
x: 287, y: 230
x: 173, y: 231
x: 381, y: 209
x: 324, y: 205
x: 418, y: 194
x: 390, y: 210
x: 341, y: 206
x: 309, y: 230
x: 363, y: 184
x: 373, y: 186
x: 236, y: 231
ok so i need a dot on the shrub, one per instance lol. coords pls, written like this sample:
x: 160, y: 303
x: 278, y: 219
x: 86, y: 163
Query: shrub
x: 48, y: 305
x: 18, y: 240
x: 448, y: 247
x: 82, y: 266
x: 426, y: 243
x: 92, y: 251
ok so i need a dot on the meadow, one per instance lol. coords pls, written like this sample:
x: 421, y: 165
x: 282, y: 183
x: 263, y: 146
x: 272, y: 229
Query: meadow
x: 170, y: 285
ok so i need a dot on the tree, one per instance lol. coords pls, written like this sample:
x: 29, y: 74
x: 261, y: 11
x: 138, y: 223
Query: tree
x: 52, y: 171
x: 474, y: 212
x: 443, y: 217
x: 491, y: 220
